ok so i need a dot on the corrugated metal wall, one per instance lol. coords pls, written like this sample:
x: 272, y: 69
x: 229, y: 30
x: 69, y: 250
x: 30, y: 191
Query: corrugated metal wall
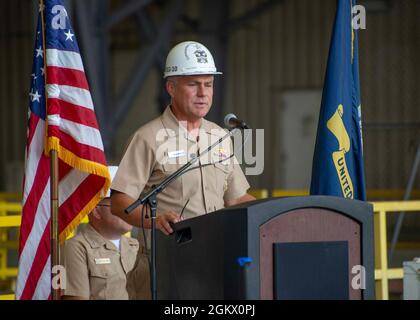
x: 16, y: 48
x: 389, y: 51
x: 285, y: 48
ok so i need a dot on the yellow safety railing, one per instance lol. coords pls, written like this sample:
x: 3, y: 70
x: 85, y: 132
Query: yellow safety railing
x: 382, y: 273
x: 7, y: 221
x: 372, y: 194
x: 10, y: 196
x: 10, y: 221
x: 289, y: 193
x: 259, y: 193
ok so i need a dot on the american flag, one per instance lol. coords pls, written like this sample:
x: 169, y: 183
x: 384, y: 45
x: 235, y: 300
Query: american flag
x: 64, y: 121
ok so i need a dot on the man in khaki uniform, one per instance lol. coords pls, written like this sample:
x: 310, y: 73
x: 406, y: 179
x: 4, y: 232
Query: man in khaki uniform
x: 160, y: 147
x: 98, y: 260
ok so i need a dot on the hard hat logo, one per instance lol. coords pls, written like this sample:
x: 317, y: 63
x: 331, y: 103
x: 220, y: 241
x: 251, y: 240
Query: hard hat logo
x: 189, y: 58
x: 201, y: 56
x: 199, y: 53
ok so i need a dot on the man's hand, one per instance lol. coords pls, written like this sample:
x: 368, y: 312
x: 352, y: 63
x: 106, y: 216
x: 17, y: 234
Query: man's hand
x: 163, y: 221
x: 120, y: 201
x: 245, y: 198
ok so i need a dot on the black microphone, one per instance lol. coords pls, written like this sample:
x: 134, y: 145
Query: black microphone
x: 232, y: 121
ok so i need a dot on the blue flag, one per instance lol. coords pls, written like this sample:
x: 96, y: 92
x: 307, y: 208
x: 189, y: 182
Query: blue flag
x: 337, y: 167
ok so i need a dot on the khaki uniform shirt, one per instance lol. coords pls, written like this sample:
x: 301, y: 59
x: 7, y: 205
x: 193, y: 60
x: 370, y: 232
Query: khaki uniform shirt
x: 95, y: 268
x: 162, y: 146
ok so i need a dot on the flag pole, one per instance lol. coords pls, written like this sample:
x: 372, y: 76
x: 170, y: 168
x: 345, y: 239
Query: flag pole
x: 55, y: 248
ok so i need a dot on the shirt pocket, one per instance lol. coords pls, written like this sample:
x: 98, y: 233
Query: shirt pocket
x: 98, y: 282
x: 129, y: 259
x: 176, y: 188
x: 222, y: 172
x: 104, y: 280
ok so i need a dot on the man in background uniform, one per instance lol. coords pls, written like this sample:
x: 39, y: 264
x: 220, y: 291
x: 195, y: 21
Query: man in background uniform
x: 99, y: 259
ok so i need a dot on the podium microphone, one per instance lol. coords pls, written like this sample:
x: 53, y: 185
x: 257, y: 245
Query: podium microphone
x: 233, y: 122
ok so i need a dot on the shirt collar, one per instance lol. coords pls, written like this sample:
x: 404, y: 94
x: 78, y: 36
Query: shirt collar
x: 95, y: 240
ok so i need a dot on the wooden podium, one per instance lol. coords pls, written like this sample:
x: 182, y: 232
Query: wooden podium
x: 315, y: 247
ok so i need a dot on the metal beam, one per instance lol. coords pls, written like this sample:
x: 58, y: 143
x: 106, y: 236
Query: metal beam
x: 35, y: 13
x: 125, y: 11
x: 212, y: 34
x: 150, y: 31
x: 69, y: 8
x: 407, y: 196
x: 102, y: 47
x: 94, y: 45
x: 87, y: 35
x: 144, y: 62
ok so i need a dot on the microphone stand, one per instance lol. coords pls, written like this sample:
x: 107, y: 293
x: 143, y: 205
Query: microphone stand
x: 151, y: 199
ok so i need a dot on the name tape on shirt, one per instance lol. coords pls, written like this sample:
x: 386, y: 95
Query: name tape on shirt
x: 177, y: 154
x: 102, y: 261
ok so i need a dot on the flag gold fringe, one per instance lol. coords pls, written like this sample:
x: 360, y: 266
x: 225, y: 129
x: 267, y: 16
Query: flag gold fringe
x: 79, y: 217
x: 86, y: 166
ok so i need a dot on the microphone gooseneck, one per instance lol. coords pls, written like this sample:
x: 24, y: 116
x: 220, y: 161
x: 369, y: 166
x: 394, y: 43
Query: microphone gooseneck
x: 233, y: 122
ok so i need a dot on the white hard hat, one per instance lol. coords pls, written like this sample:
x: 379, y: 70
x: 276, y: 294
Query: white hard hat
x: 189, y: 58
x: 112, y: 172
